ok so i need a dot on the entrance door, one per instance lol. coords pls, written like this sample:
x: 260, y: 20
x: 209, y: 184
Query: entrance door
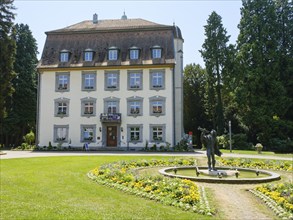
x: 112, y: 136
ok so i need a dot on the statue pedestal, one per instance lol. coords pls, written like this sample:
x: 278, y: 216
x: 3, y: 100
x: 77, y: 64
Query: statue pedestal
x: 218, y: 172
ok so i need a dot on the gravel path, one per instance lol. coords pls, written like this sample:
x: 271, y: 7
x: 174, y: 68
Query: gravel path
x: 235, y: 202
x: 199, y: 153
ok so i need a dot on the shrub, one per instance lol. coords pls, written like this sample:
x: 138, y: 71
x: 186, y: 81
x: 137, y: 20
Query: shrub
x: 281, y: 146
x: 223, y: 141
x: 240, y: 142
x: 146, y: 148
x: 29, y: 138
x: 182, y: 145
x: 50, y: 147
x: 154, y: 147
x: 162, y: 148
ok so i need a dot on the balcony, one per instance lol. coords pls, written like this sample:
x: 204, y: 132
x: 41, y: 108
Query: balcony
x: 110, y: 117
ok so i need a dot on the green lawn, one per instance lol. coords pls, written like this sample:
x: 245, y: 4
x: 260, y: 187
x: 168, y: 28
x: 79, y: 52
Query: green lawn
x: 254, y: 152
x: 58, y: 188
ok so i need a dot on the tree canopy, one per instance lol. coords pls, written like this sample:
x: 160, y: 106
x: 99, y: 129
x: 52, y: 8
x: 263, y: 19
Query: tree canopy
x: 249, y: 83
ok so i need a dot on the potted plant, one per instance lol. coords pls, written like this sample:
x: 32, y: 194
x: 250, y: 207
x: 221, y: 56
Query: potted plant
x: 259, y: 147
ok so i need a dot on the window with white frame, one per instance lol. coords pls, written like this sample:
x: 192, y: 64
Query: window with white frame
x: 134, y: 80
x: 134, y: 133
x: 62, y: 82
x: 134, y: 106
x: 64, y: 56
x: 111, y: 105
x: 88, y: 133
x: 61, y: 107
x: 88, y: 55
x: 113, y: 54
x: 157, y: 105
x: 157, y: 133
x: 112, y: 80
x: 61, y: 133
x: 88, y: 107
x: 88, y: 81
x: 134, y: 54
x: 157, y: 79
x: 156, y: 52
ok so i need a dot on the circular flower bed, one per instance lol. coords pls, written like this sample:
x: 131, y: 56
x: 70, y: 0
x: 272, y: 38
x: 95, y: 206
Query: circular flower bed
x: 181, y: 193
x: 247, y: 163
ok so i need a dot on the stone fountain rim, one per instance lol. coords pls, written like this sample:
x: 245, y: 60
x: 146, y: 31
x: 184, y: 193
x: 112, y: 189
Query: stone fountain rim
x: 272, y: 176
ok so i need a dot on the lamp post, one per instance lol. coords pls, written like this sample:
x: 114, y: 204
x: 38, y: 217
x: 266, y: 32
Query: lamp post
x: 230, y: 137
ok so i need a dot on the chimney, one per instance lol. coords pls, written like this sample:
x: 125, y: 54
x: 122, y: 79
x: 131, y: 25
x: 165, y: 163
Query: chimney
x: 95, y: 18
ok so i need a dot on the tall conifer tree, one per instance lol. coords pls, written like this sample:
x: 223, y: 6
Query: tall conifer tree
x: 22, y: 114
x: 7, y: 53
x: 214, y: 54
x: 261, y: 96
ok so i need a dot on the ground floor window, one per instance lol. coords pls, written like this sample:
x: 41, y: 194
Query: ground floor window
x: 88, y: 133
x: 134, y: 133
x: 157, y: 133
x: 61, y: 133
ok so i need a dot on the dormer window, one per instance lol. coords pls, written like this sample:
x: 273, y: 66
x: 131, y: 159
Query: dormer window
x: 156, y: 52
x: 64, y: 56
x: 133, y: 53
x: 88, y: 55
x: 113, y: 53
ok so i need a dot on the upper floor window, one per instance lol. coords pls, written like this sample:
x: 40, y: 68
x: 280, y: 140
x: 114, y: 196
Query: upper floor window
x: 61, y: 133
x: 112, y: 80
x: 88, y: 107
x: 157, y: 78
x: 62, y: 82
x: 113, y: 53
x: 61, y: 107
x: 88, y: 81
x: 156, y: 52
x: 88, y: 55
x: 134, y: 106
x: 133, y: 53
x: 134, y: 80
x: 157, y: 105
x: 111, y: 105
x: 64, y: 56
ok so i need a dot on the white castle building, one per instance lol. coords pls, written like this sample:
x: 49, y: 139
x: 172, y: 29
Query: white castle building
x: 111, y: 84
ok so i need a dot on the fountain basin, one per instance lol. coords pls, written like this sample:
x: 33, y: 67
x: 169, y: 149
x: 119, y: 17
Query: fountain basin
x: 221, y: 175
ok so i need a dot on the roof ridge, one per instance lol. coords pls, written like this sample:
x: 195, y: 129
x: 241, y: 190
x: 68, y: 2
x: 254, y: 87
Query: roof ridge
x: 110, y: 24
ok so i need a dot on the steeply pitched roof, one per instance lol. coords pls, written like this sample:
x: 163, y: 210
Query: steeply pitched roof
x: 99, y: 37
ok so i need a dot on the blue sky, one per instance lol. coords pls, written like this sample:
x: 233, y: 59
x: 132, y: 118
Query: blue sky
x: 190, y: 16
